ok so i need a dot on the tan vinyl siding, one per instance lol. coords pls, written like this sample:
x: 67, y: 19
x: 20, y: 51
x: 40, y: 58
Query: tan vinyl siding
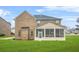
x: 5, y: 27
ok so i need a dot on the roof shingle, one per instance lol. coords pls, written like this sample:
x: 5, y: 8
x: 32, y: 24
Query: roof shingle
x: 45, y: 17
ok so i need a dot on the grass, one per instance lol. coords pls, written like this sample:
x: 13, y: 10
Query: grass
x: 70, y: 45
x: 5, y: 36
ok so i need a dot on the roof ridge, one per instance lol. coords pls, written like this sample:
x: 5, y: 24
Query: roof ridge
x: 23, y: 13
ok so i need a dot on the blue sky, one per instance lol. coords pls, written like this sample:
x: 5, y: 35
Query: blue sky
x: 68, y: 14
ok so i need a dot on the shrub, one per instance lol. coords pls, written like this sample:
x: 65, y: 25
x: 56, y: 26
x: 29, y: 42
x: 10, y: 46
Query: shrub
x: 13, y: 38
x: 2, y: 34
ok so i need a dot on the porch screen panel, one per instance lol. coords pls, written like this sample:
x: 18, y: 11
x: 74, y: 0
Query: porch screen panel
x: 59, y: 32
x: 49, y: 32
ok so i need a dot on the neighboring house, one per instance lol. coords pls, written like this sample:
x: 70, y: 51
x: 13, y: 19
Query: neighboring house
x: 77, y: 29
x: 67, y: 30
x: 38, y: 27
x: 13, y: 31
x: 5, y: 27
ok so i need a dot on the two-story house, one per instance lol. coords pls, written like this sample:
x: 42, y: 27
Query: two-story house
x: 5, y: 27
x: 38, y: 27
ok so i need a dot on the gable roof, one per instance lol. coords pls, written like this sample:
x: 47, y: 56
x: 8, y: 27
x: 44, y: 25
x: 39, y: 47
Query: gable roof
x: 4, y: 20
x: 24, y: 13
x: 45, y: 17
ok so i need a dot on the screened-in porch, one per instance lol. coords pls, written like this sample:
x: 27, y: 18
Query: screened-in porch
x: 50, y: 33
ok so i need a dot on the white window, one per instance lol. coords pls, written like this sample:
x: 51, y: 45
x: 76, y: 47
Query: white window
x: 57, y: 21
x: 38, y: 22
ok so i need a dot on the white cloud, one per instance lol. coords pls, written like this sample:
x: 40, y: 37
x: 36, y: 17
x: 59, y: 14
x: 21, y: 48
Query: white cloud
x: 69, y: 21
x: 70, y: 17
x: 64, y: 8
x: 6, y: 15
x: 4, y: 12
x: 39, y: 10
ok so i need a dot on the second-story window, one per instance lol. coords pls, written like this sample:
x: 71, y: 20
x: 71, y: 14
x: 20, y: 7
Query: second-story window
x: 38, y: 22
x: 57, y: 22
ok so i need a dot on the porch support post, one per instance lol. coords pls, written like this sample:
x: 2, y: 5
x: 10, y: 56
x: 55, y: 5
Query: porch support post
x: 64, y: 33
x: 44, y: 33
x: 35, y: 34
x: 54, y: 32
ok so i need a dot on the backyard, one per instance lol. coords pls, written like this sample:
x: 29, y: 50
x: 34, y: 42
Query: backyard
x: 70, y: 45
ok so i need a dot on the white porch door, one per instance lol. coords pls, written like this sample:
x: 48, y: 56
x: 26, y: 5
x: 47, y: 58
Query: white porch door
x: 40, y: 34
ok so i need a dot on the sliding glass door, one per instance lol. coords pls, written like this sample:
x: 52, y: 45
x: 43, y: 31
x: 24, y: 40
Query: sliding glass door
x: 40, y: 33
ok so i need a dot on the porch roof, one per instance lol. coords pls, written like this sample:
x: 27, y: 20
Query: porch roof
x: 50, y: 25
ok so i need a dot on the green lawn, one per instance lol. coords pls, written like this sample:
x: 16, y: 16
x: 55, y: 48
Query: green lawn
x: 70, y: 45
